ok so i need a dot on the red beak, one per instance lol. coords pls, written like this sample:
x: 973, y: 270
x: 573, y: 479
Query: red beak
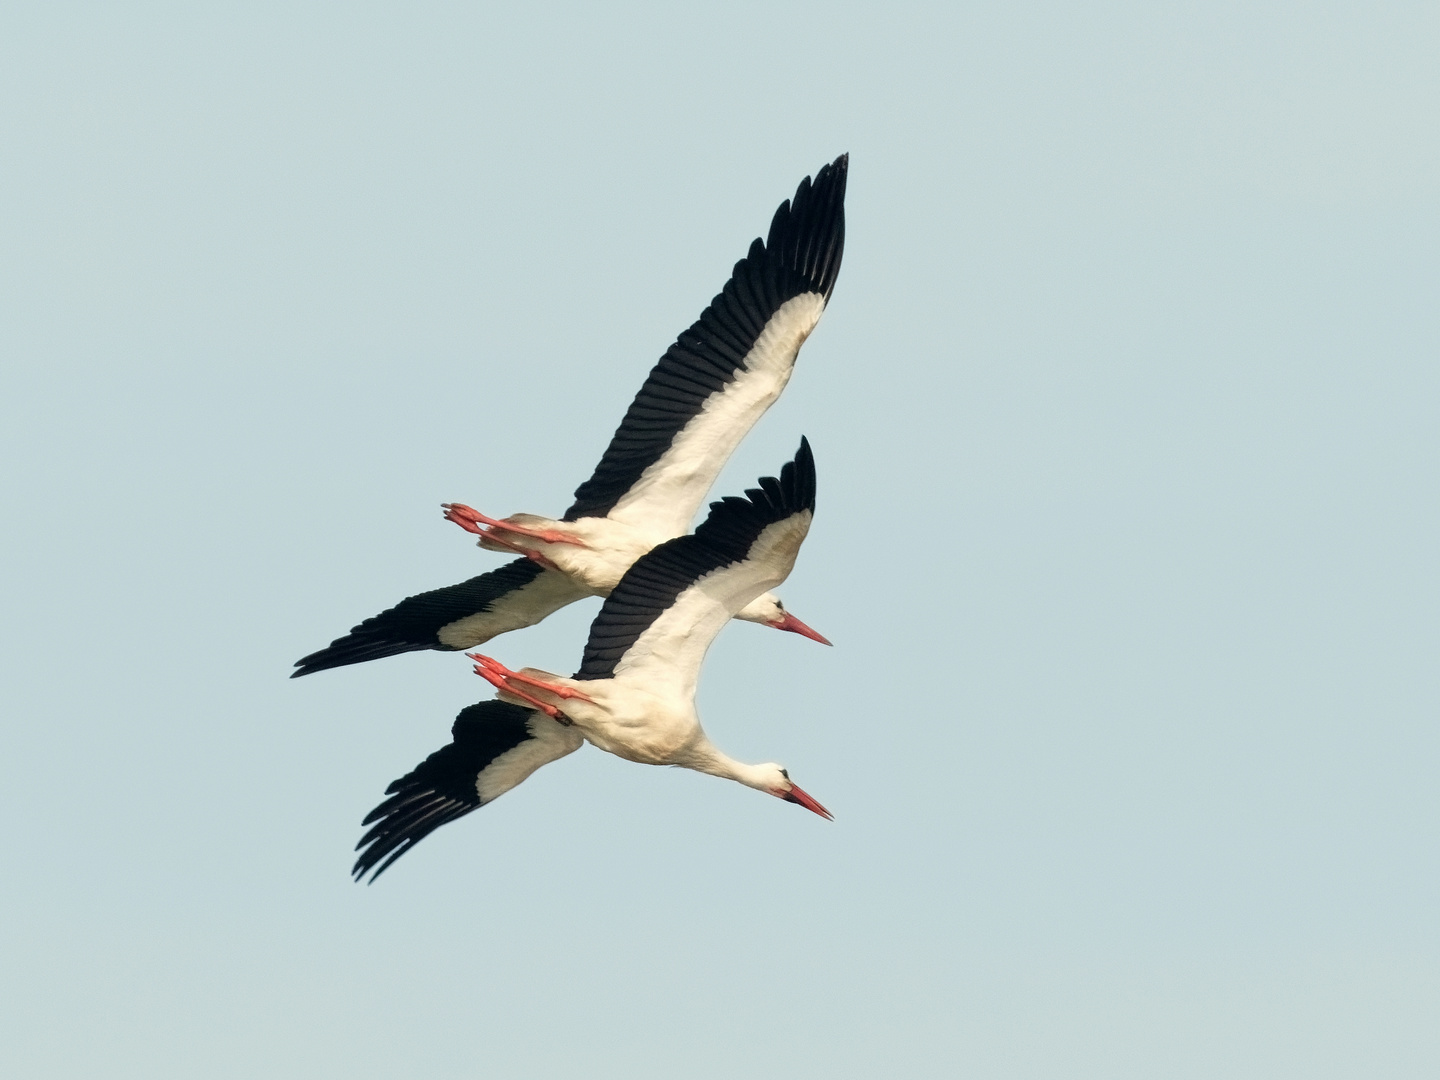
x: 795, y: 626
x: 796, y: 795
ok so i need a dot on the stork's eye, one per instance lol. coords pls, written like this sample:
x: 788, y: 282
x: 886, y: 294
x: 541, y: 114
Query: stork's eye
x: 785, y: 773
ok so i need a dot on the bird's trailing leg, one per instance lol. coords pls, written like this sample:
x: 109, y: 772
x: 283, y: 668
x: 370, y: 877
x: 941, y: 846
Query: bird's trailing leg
x: 489, y: 536
x: 498, y: 681
x: 560, y: 690
x: 471, y: 519
x: 501, y: 677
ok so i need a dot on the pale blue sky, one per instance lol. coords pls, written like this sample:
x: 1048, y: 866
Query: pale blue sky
x: 1125, y: 417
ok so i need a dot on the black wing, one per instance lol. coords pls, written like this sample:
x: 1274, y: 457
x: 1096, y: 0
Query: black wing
x: 722, y: 354
x: 457, y: 617
x: 726, y: 538
x: 495, y: 746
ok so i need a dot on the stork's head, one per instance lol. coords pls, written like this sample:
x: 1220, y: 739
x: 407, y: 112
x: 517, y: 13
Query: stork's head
x: 777, y: 782
x: 769, y: 611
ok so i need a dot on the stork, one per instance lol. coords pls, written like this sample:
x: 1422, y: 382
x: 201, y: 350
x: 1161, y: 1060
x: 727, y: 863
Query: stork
x: 634, y: 695
x: 698, y: 402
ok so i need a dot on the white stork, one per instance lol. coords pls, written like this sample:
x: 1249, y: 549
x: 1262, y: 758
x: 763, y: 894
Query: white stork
x: 698, y: 402
x: 634, y: 694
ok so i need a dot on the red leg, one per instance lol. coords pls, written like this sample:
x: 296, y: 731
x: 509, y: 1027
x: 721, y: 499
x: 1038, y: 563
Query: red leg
x: 459, y: 514
x: 493, y: 667
x: 498, y: 681
x: 469, y: 526
x: 471, y: 519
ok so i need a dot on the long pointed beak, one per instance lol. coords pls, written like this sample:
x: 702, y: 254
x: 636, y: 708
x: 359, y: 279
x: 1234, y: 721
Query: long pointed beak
x: 795, y: 626
x: 797, y: 795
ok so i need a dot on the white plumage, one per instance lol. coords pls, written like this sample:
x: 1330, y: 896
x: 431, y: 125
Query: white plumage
x: 634, y: 695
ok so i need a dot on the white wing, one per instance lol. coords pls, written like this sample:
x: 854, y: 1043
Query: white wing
x: 720, y: 376
x: 659, y: 622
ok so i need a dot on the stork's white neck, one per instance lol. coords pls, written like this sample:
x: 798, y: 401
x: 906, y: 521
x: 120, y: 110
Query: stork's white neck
x: 705, y: 757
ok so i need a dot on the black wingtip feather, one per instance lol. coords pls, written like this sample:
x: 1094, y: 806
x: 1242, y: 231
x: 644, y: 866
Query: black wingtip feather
x: 725, y: 537
x: 801, y: 255
x: 413, y: 624
x: 808, y: 232
x: 733, y: 520
x: 442, y: 788
x: 356, y: 649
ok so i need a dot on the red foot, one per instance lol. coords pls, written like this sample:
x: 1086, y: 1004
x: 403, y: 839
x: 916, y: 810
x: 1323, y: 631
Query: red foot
x: 499, y: 676
x: 558, y: 689
x: 498, y: 681
x: 460, y: 514
x: 471, y: 519
x: 500, y: 542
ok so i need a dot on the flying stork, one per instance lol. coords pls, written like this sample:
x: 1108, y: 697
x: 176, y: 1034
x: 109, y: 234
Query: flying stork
x: 634, y: 694
x: 697, y: 403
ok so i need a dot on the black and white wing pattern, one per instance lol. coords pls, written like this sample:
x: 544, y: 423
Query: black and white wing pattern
x: 462, y: 616
x: 721, y: 375
x: 658, y: 623
x: 494, y: 747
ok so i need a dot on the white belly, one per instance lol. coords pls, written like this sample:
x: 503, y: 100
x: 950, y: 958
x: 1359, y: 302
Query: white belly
x: 634, y: 725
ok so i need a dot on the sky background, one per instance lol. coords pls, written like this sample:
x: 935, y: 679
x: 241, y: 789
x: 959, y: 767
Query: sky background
x: 1125, y: 416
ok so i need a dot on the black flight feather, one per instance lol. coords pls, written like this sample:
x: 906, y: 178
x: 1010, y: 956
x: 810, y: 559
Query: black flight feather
x: 801, y: 255
x: 651, y: 585
x: 442, y: 788
x: 416, y: 621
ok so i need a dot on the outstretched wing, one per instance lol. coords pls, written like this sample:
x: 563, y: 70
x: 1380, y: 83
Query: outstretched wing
x: 721, y: 375
x: 660, y: 620
x: 457, y: 617
x: 495, y: 746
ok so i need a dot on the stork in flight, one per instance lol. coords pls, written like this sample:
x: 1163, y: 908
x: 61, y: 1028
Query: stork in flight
x: 698, y: 402
x: 634, y: 694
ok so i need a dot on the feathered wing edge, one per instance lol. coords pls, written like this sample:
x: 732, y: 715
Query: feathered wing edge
x: 807, y: 233
x: 725, y: 537
x: 417, y: 621
x: 733, y: 522
x: 494, y: 746
x: 802, y: 254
